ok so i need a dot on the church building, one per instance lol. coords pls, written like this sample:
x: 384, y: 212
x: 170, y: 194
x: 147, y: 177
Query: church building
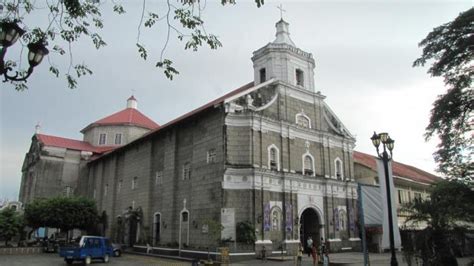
x: 270, y: 154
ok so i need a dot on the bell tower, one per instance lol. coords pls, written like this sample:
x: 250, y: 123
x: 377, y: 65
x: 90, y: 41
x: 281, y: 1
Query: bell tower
x: 282, y: 60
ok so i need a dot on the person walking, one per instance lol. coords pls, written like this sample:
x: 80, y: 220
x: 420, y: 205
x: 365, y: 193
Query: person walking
x: 322, y: 250
x: 309, y: 245
x: 314, y: 253
x: 299, y: 255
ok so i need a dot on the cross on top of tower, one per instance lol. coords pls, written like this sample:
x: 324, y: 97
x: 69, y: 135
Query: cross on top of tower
x: 281, y: 10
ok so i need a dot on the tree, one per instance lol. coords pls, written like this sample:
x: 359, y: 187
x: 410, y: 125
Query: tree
x: 448, y: 209
x: 451, y: 49
x: 10, y: 224
x: 70, y: 20
x: 63, y: 213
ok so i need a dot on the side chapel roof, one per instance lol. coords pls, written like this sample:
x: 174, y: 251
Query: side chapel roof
x: 72, y: 144
x: 399, y: 169
x: 128, y: 116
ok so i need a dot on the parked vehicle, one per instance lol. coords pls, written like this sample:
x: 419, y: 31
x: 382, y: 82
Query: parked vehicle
x: 90, y: 248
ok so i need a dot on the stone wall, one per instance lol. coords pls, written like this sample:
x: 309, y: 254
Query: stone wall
x: 155, y: 165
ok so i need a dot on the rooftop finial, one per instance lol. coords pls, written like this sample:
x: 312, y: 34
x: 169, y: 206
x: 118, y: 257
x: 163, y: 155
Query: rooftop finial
x: 37, y: 128
x: 283, y: 33
x: 132, y: 102
x: 281, y: 11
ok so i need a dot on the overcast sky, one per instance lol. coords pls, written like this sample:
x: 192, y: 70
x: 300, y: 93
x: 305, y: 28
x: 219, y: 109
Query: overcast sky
x: 363, y: 52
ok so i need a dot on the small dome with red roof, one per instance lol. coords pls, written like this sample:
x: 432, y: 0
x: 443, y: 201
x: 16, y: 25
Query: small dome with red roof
x: 119, y: 128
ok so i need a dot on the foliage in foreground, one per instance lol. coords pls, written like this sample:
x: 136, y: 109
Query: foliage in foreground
x: 11, y: 224
x: 450, y: 209
x: 68, y: 21
x: 61, y: 212
x: 450, y: 47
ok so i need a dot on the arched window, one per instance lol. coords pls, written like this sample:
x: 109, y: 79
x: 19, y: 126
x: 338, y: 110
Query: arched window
x: 303, y: 120
x: 338, y: 169
x: 308, y: 164
x: 157, y: 227
x: 276, y: 219
x: 263, y: 75
x: 135, y: 182
x: 273, y: 157
x: 299, y: 77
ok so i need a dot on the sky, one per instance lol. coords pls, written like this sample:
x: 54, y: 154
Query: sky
x: 363, y: 50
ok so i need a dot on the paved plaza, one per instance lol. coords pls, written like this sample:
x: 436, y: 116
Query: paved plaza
x: 351, y: 258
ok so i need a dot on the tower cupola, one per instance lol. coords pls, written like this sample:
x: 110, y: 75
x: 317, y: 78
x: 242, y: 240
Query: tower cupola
x: 282, y: 60
x: 132, y: 102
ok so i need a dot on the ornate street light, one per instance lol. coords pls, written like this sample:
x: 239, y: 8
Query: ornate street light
x: 388, y: 144
x: 10, y: 32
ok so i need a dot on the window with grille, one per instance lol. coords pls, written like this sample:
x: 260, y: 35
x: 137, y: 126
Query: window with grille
x: 135, y: 183
x: 186, y: 171
x: 211, y: 156
x: 118, y: 139
x: 159, y: 178
x: 67, y: 191
x: 102, y: 138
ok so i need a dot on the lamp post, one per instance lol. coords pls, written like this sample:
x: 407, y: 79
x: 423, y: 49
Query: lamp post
x: 10, y: 32
x: 387, y: 144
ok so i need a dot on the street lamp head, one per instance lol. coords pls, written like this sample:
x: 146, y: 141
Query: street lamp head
x: 383, y: 137
x: 375, y: 140
x: 9, y: 33
x: 37, y: 51
x: 390, y: 144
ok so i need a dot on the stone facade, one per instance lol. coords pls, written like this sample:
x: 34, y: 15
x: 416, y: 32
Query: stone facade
x: 271, y: 154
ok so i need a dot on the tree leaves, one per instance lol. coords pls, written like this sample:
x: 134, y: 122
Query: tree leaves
x: 168, y: 69
x: 451, y: 48
x: 10, y: 223
x: 69, y: 20
x: 61, y: 212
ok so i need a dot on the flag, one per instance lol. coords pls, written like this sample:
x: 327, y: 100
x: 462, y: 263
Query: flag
x: 383, y: 193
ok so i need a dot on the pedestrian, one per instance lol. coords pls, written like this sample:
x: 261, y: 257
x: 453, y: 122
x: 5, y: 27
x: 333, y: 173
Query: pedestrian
x: 309, y: 245
x: 314, y: 253
x: 326, y: 258
x: 264, y: 254
x: 322, y: 249
x: 299, y: 255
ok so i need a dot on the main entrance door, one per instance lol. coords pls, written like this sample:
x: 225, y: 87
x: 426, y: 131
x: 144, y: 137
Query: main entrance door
x: 309, y: 226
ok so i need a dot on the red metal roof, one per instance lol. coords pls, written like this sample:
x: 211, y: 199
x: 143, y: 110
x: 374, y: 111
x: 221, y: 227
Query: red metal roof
x: 189, y: 114
x: 72, y: 144
x: 399, y: 169
x: 128, y: 116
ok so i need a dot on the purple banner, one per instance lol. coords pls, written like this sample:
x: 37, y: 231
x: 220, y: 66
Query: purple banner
x: 289, y: 217
x: 336, y: 218
x: 351, y: 218
x: 266, y: 217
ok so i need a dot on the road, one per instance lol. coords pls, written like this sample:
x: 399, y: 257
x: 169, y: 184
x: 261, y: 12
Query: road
x: 44, y: 259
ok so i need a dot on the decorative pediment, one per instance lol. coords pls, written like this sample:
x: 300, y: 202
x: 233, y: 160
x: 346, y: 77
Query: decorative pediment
x: 334, y: 123
x: 255, y: 100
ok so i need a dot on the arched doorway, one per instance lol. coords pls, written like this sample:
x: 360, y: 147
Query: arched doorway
x: 310, y: 225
